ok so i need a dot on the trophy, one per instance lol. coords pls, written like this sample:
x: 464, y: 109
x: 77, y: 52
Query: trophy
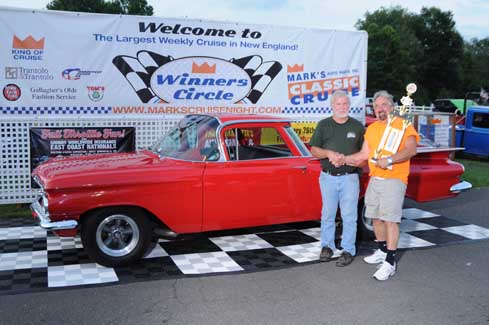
x: 392, y: 136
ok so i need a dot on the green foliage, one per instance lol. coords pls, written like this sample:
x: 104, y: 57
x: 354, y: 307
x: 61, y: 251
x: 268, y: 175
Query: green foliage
x: 442, y: 55
x: 391, y: 49
x: 125, y: 7
x: 424, y: 48
x: 15, y: 211
x: 476, y: 65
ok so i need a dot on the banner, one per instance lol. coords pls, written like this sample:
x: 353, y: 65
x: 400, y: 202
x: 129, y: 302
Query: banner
x: 80, y: 63
x: 46, y: 143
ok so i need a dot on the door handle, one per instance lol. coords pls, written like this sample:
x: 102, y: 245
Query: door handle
x: 303, y: 168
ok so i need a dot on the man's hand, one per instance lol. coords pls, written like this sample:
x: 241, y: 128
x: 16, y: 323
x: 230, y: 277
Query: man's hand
x: 337, y: 159
x: 382, y: 163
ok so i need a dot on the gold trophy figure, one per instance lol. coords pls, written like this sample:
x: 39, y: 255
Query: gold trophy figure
x: 391, y: 138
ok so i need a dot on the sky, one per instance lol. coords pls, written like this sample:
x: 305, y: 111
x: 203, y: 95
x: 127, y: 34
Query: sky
x: 471, y: 16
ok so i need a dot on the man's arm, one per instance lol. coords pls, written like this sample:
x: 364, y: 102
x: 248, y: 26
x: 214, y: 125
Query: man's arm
x: 405, y: 154
x: 360, y: 158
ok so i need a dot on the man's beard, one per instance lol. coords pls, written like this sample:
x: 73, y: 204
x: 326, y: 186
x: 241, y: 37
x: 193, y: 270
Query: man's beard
x: 382, y: 116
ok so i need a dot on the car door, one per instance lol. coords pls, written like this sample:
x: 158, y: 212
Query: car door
x: 476, y: 137
x: 264, y: 180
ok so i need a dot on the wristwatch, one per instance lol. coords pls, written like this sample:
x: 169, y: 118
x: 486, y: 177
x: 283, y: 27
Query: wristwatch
x: 390, y: 161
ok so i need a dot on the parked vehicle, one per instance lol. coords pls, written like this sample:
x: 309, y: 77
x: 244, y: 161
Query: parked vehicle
x: 210, y: 172
x: 474, y: 133
x: 450, y: 105
x: 472, y: 129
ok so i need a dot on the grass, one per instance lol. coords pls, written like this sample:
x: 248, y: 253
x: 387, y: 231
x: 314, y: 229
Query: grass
x: 476, y: 170
x: 476, y: 173
x: 15, y: 211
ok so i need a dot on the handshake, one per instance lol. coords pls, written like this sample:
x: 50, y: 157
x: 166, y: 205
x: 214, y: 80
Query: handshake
x: 337, y: 159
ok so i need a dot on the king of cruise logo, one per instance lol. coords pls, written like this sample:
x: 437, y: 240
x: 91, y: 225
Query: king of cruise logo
x: 200, y: 79
x: 28, y: 49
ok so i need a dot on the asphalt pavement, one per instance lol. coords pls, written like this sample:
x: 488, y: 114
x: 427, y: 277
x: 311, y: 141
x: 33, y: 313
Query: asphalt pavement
x: 442, y: 285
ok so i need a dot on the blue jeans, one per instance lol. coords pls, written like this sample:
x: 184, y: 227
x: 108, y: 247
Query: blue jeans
x: 343, y: 190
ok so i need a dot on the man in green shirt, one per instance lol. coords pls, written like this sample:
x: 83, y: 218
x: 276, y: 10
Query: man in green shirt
x: 334, y: 138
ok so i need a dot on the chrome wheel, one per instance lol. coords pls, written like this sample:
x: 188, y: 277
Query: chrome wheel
x: 117, y: 235
x: 365, y: 225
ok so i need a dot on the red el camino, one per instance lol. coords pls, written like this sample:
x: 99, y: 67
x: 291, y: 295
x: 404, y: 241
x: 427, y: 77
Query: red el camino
x: 210, y: 172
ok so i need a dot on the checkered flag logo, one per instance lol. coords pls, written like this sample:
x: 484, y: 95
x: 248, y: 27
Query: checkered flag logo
x: 261, y: 74
x: 138, y: 71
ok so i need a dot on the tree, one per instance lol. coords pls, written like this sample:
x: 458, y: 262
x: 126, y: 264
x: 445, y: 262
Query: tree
x: 475, y: 66
x: 125, y: 7
x: 425, y: 49
x: 391, y: 51
x: 440, y: 63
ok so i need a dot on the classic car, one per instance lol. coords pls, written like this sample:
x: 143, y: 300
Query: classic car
x: 210, y: 172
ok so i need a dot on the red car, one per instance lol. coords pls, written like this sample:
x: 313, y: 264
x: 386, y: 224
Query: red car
x: 210, y: 172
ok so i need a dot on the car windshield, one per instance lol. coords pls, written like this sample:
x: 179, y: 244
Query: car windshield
x: 193, y: 138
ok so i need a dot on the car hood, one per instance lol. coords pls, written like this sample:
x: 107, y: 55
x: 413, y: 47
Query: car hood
x: 95, y: 170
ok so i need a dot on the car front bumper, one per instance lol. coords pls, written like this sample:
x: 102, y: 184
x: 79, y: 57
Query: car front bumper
x: 459, y: 187
x: 46, y: 223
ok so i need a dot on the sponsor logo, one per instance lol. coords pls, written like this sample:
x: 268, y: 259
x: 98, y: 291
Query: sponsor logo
x: 28, y: 43
x: 50, y: 93
x: 28, y: 73
x: 198, y: 79
x: 95, y: 93
x: 76, y: 73
x: 28, y: 49
x: 11, y: 92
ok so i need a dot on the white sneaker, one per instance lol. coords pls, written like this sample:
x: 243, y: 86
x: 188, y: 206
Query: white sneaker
x: 385, y: 271
x: 337, y: 253
x: 377, y: 257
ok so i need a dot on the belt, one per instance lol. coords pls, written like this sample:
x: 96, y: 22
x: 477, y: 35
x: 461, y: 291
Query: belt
x: 337, y: 173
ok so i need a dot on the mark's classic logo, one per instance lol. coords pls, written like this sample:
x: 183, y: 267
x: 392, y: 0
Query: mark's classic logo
x: 28, y: 49
x: 11, y: 92
x: 96, y: 93
x: 206, y: 80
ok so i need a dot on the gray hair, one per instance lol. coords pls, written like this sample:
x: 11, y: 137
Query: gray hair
x: 384, y: 94
x: 338, y: 94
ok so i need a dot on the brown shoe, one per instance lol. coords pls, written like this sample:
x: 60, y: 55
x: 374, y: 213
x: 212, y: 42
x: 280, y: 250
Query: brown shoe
x: 345, y: 259
x: 326, y: 254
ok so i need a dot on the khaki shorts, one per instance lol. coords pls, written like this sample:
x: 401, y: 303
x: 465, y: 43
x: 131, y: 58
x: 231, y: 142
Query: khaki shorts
x: 384, y: 199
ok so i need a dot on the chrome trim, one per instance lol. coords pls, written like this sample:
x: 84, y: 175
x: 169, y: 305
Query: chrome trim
x: 278, y: 120
x: 462, y: 186
x: 228, y: 123
x: 46, y: 223
x: 203, y: 114
x: 439, y: 149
